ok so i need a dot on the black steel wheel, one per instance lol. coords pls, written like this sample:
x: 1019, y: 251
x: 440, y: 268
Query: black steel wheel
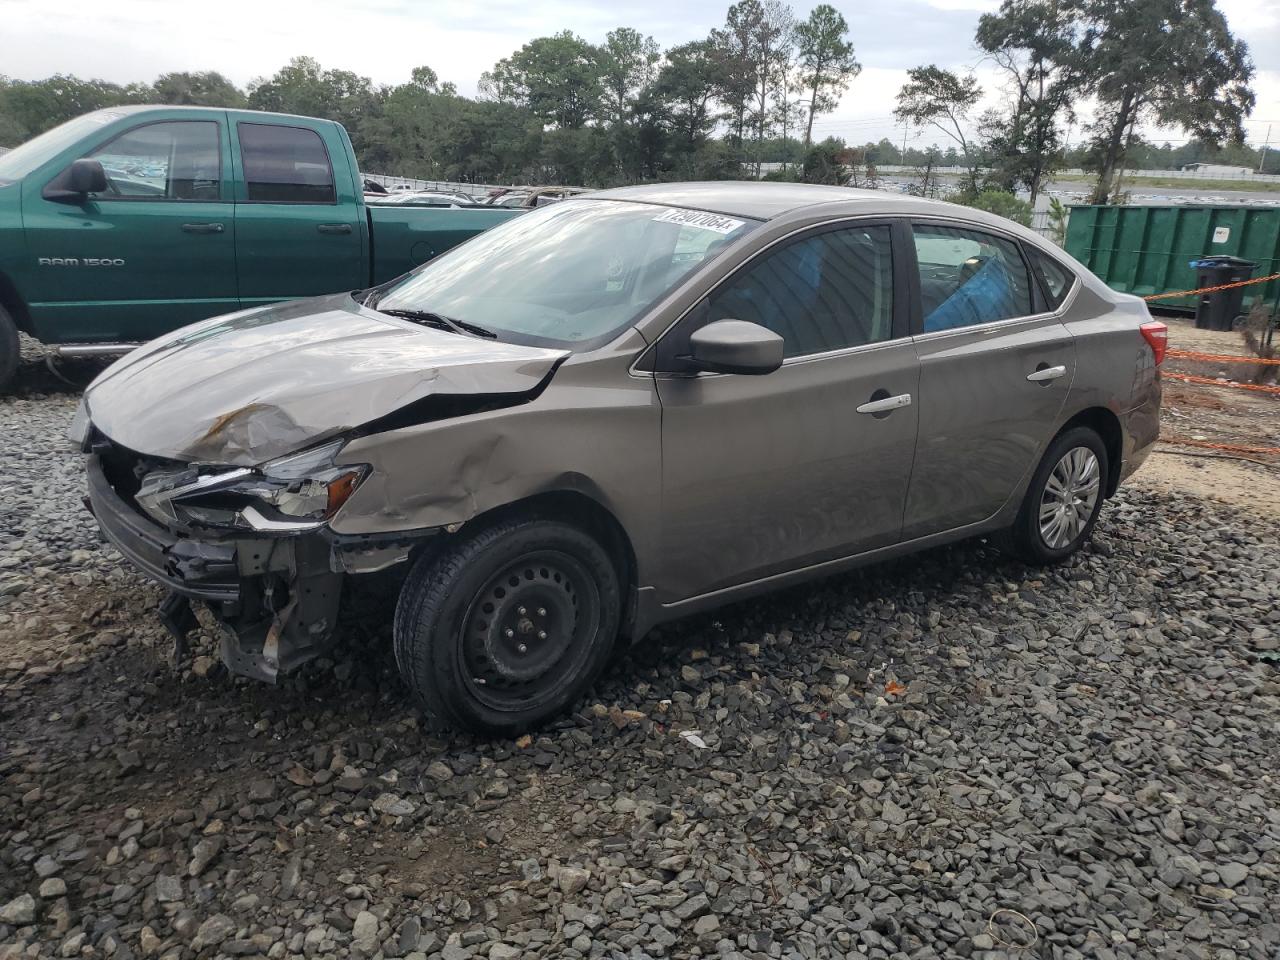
x: 508, y: 627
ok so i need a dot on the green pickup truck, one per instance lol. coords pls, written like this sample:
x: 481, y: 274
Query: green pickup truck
x: 126, y: 223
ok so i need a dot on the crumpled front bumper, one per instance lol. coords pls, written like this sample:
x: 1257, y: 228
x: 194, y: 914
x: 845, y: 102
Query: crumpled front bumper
x: 277, y: 597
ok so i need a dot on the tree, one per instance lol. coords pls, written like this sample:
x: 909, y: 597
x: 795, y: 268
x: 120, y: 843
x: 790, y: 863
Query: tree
x: 772, y: 42
x: 736, y: 64
x: 1172, y: 62
x: 827, y: 63
x: 687, y: 85
x: 1002, y: 203
x: 209, y: 89
x: 302, y: 86
x: 1034, y: 43
x: 32, y: 107
x: 939, y: 98
x: 628, y: 65
x: 559, y: 78
x: 824, y: 163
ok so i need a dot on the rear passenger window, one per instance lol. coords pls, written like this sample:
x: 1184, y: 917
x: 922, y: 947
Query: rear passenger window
x: 285, y: 164
x: 828, y: 291
x: 1057, y: 279
x: 968, y: 278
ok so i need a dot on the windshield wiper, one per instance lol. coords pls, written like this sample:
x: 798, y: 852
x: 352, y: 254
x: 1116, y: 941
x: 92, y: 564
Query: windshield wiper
x: 440, y: 322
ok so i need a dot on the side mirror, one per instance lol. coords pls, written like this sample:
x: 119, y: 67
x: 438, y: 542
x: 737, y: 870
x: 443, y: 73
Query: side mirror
x: 735, y: 346
x: 87, y: 176
x: 73, y: 185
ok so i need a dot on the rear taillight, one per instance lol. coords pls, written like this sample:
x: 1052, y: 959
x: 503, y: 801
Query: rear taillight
x: 1157, y: 335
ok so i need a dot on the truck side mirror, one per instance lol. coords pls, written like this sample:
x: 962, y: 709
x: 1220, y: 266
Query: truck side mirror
x: 73, y: 185
x: 87, y: 176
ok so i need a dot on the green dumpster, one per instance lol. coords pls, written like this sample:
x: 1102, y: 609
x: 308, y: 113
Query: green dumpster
x: 1146, y: 250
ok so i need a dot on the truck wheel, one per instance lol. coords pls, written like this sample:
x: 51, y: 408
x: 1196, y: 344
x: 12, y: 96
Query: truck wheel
x: 10, y: 350
x: 505, y: 629
x: 1063, y: 501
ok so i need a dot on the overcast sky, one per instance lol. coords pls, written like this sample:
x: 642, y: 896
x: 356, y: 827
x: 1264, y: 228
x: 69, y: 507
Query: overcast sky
x: 128, y: 40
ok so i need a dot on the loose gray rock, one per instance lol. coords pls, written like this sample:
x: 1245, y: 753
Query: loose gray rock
x: 19, y: 911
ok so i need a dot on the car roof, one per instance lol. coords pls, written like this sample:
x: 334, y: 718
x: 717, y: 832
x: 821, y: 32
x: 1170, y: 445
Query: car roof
x: 759, y: 200
x: 810, y: 202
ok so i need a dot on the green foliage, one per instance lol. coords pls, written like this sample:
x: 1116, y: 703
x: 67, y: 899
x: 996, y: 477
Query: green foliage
x: 1057, y: 221
x: 826, y: 61
x: 1174, y: 62
x: 209, y: 89
x: 944, y: 100
x: 999, y: 202
x: 825, y: 163
x: 558, y: 78
x: 1033, y: 42
x: 28, y: 108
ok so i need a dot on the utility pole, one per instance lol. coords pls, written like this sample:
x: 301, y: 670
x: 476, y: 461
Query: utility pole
x: 905, y: 128
x: 1263, y: 159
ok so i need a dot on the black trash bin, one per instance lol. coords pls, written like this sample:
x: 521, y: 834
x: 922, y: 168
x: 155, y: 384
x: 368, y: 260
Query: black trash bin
x: 1218, y: 310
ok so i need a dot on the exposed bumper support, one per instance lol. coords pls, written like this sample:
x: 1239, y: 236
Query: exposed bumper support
x: 276, y: 597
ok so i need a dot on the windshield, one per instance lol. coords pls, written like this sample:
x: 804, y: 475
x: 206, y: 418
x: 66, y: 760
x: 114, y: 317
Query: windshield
x: 21, y: 160
x: 567, y: 274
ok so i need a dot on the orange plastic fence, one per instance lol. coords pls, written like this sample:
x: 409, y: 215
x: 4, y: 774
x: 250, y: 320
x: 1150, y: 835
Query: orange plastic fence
x: 1228, y: 447
x: 1211, y: 382
x: 1221, y: 286
x: 1218, y: 357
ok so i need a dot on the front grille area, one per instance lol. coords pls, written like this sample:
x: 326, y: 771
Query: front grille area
x: 124, y: 469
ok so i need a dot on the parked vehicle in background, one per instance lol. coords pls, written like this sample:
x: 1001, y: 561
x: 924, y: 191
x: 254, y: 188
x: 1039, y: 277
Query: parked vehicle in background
x: 530, y: 197
x: 129, y: 222
x: 615, y: 411
x: 427, y: 198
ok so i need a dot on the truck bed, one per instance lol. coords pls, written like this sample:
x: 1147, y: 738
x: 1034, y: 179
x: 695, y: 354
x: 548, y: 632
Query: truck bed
x: 405, y: 236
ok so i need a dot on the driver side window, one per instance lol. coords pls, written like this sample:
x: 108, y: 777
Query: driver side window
x: 827, y: 291
x: 170, y: 160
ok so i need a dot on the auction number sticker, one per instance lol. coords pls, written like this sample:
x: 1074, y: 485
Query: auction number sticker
x: 700, y: 220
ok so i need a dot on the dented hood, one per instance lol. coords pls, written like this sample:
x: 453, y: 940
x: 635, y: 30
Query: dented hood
x: 252, y: 386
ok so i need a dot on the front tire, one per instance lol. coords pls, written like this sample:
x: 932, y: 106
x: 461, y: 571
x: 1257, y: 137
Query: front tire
x: 1063, y: 501
x: 10, y: 349
x: 507, y: 628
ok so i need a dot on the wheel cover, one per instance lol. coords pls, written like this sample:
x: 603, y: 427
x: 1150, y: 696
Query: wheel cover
x: 529, y: 629
x: 1069, y: 496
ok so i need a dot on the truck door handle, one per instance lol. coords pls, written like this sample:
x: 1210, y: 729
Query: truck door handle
x: 202, y: 228
x: 1044, y: 374
x: 334, y: 228
x: 885, y: 404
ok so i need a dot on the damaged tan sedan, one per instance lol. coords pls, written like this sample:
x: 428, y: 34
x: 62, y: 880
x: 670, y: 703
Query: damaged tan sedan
x: 612, y: 412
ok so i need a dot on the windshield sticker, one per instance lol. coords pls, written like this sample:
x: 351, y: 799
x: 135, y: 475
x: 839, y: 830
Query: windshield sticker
x: 700, y: 220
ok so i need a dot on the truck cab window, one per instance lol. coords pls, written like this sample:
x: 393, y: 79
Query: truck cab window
x: 172, y: 160
x: 285, y: 164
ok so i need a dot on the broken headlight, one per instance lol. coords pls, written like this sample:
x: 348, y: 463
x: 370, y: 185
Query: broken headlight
x: 290, y: 495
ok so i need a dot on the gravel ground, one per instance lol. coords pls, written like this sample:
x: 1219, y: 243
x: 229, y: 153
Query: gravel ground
x: 950, y: 755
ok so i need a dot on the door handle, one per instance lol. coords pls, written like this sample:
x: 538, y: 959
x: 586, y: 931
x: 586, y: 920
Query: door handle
x: 334, y: 228
x: 1043, y: 374
x: 886, y: 404
x: 202, y: 228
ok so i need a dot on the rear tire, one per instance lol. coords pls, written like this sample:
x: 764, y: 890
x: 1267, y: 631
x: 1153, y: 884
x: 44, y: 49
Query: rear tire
x: 1063, y: 500
x: 507, y: 628
x: 10, y: 350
